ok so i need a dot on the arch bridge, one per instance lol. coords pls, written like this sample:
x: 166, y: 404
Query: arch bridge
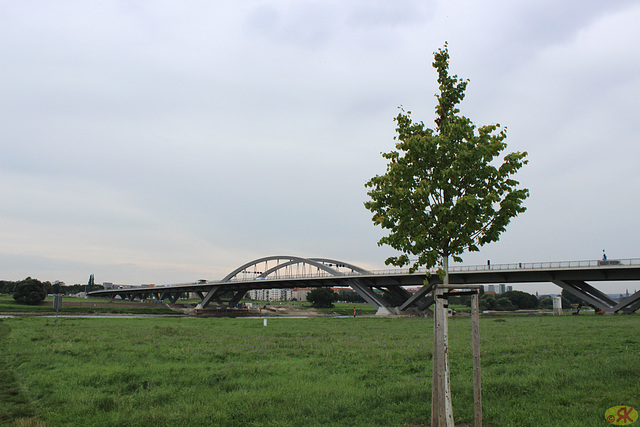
x: 385, y: 289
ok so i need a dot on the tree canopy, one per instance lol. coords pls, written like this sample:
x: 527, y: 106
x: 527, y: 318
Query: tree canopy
x: 508, y: 301
x: 522, y: 300
x: 446, y: 190
x: 30, y: 291
x: 322, y: 297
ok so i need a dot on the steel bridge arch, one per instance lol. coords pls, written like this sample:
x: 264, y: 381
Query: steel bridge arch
x: 320, y: 263
x: 361, y: 287
x: 227, y: 293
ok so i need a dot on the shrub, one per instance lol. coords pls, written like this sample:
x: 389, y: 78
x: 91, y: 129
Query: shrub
x: 505, y: 304
x: 30, y: 291
x: 546, y: 302
x: 322, y: 297
x: 488, y: 302
x: 521, y: 300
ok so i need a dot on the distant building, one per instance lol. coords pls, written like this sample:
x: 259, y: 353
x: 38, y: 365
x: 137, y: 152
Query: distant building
x: 300, y: 294
x: 499, y: 289
x: 271, y: 294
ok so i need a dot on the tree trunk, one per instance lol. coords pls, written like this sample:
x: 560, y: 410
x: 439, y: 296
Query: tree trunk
x: 441, y: 409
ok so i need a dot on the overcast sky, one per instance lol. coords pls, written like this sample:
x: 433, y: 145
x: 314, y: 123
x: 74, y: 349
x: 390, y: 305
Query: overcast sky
x: 160, y: 142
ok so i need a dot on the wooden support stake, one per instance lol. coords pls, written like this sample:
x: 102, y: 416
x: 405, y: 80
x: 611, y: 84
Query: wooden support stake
x: 477, y: 373
x: 437, y: 355
x: 441, y: 409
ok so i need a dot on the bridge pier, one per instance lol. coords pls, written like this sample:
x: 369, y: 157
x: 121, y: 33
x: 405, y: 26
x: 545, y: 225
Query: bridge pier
x: 598, y: 299
x: 418, y: 298
x: 216, y: 294
x: 366, y: 292
x: 634, y: 305
x: 387, y: 311
x: 384, y: 307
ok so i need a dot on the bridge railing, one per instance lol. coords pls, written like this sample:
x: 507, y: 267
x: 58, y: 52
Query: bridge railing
x: 452, y: 269
x: 281, y: 276
x: 519, y: 266
x: 472, y: 268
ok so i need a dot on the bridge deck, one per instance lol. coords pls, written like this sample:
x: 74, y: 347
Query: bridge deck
x: 571, y: 275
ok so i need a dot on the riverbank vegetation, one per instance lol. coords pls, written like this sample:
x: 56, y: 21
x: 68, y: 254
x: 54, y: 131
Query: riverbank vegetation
x: 365, y: 371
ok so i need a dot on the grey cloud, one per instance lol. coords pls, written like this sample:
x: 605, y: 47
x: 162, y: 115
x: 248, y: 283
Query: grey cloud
x: 308, y: 26
x: 164, y: 143
x: 371, y: 15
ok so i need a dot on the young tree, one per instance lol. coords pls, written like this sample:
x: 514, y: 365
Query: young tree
x: 446, y: 190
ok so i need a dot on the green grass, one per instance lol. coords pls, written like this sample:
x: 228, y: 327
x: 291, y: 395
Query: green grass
x: 346, y: 309
x: 339, y: 308
x: 537, y: 371
x: 14, y: 403
x: 9, y: 305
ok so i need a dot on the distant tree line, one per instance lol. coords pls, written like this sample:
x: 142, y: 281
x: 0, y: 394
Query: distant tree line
x: 507, y: 301
x: 9, y: 287
x: 515, y: 300
x: 350, y: 296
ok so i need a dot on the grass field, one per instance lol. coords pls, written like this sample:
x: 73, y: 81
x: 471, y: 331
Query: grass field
x: 89, y: 306
x: 537, y: 371
x: 72, y: 305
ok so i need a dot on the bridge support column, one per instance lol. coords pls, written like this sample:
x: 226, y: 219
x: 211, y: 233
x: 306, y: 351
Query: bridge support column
x: 590, y: 295
x: 416, y: 298
x: 628, y: 305
x: 235, y: 299
x: 387, y: 311
x: 366, y: 292
x: 207, y: 299
x: 232, y: 298
x: 632, y: 303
